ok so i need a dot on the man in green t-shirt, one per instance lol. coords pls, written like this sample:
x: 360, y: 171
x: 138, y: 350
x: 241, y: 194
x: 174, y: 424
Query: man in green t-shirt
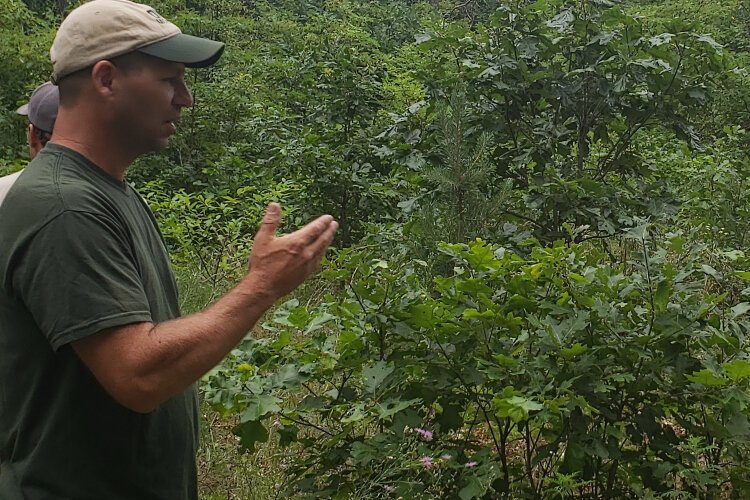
x: 97, y: 369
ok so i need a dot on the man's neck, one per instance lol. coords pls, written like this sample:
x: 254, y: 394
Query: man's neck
x: 90, y: 139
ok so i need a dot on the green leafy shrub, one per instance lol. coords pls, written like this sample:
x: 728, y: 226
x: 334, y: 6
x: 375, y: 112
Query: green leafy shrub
x: 211, y: 233
x: 563, y: 90
x: 547, y: 375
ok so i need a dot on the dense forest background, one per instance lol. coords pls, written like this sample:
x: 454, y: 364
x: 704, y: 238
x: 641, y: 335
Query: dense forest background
x: 540, y: 285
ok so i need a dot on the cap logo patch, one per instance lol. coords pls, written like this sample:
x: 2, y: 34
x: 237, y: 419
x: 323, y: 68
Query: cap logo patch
x: 156, y: 16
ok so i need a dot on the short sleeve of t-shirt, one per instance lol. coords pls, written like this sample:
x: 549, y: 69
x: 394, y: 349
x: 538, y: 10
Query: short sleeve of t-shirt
x: 78, y: 276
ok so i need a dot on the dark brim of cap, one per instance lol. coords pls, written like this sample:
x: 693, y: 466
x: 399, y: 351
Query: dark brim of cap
x: 23, y: 110
x: 189, y: 50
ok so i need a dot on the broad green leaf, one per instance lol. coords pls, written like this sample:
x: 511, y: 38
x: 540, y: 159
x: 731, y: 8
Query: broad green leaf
x: 596, y: 447
x: 473, y: 313
x: 473, y: 489
x: 505, y: 360
x: 311, y: 403
x: 283, y: 340
x: 287, y: 377
x: 318, y: 321
x: 287, y: 435
x: 245, y: 367
x: 562, y: 21
x: 707, y: 378
x: 250, y: 432
x: 661, y: 39
x: 481, y: 255
x: 422, y: 37
x: 358, y: 414
x: 348, y: 341
x: 575, y: 350
x: 708, y: 39
x: 363, y: 453
x: 374, y: 374
x: 662, y: 295
x: 296, y: 317
x: 740, y: 309
x: 578, y: 278
x: 738, y: 425
x: 392, y: 406
x: 737, y: 369
x: 711, y: 272
x: 516, y: 408
x: 258, y: 406
x: 422, y: 316
x: 638, y: 233
x: 380, y: 264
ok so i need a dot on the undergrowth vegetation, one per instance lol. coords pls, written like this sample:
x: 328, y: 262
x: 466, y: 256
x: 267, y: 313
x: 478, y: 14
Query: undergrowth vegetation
x: 540, y: 287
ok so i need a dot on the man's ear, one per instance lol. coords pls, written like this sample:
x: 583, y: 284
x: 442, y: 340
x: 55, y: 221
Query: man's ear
x: 103, y: 74
x: 35, y: 145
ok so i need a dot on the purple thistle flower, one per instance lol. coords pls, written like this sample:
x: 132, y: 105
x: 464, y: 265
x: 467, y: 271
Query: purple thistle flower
x: 424, y: 434
x: 426, y: 462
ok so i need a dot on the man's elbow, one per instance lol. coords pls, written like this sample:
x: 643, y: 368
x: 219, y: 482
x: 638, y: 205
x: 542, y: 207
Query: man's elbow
x: 136, y: 395
x: 118, y: 359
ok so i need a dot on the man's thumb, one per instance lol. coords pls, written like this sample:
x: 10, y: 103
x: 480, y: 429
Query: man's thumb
x: 270, y: 221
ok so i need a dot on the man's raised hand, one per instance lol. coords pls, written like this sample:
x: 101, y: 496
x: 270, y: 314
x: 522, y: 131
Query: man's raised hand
x: 280, y: 264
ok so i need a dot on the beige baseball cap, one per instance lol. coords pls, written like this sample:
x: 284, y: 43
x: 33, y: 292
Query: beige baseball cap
x: 104, y: 29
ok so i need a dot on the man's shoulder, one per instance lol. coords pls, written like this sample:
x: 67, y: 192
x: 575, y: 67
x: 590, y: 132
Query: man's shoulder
x: 52, y: 184
x: 61, y: 180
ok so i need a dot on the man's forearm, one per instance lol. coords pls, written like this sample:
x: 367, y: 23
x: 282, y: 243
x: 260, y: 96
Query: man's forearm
x: 150, y: 363
x: 186, y: 348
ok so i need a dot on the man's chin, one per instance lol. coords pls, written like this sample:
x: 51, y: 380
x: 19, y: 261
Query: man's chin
x: 160, y: 145
x: 154, y: 145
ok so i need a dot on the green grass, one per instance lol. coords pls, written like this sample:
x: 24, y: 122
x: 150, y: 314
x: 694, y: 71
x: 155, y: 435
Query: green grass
x: 225, y: 473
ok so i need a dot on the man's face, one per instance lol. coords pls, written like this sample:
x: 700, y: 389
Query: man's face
x: 149, y: 103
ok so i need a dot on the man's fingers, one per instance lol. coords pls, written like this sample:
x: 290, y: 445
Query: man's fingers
x: 270, y: 222
x: 324, y: 240
x: 309, y: 233
x: 318, y: 248
x: 311, y: 241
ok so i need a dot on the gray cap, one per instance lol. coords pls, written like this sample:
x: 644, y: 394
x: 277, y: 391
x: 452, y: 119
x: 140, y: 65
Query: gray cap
x: 42, y: 107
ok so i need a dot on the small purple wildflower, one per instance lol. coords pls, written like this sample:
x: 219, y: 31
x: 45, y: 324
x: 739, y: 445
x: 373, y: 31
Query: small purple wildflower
x: 426, y: 462
x: 470, y: 465
x: 424, y: 434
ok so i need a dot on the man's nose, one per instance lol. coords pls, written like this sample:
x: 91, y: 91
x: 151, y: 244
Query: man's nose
x: 183, y: 97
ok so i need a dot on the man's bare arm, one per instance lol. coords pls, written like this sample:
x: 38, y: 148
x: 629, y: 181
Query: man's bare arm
x: 142, y: 365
